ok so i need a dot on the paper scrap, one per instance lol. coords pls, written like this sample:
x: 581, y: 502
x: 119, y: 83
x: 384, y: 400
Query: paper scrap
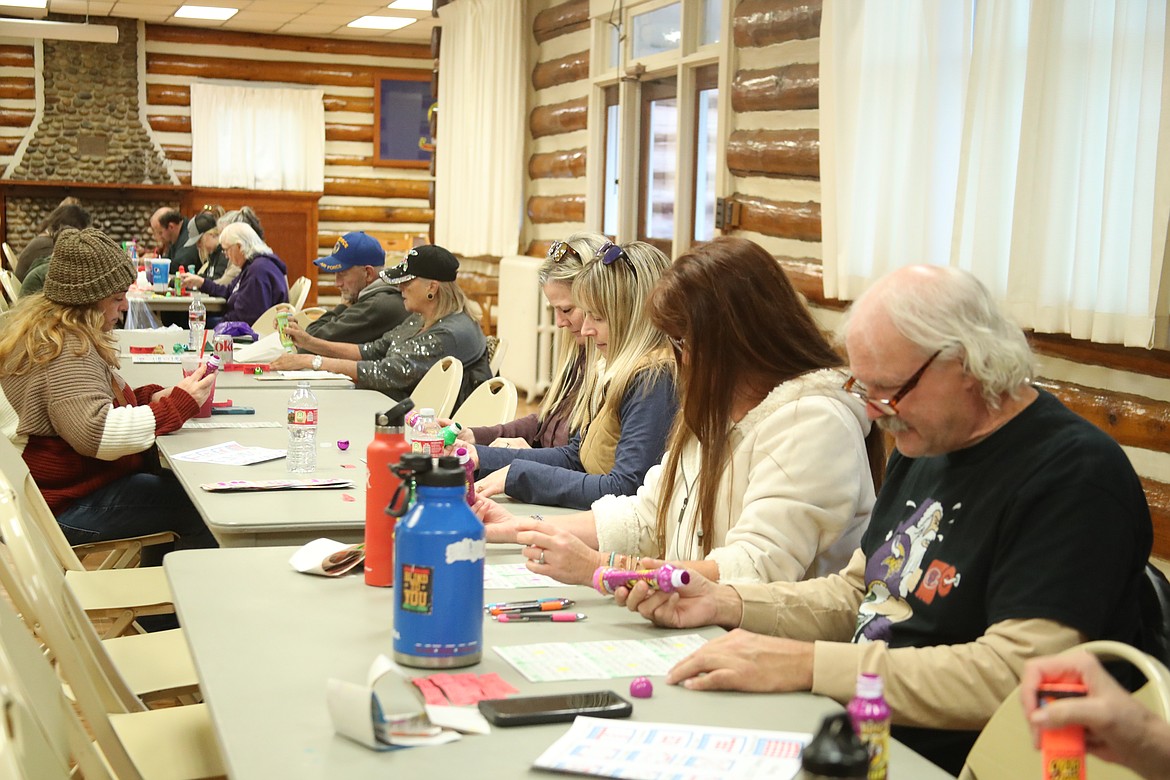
x: 199, y: 425
x: 515, y: 575
x: 601, y: 660
x: 244, y: 485
x: 229, y: 454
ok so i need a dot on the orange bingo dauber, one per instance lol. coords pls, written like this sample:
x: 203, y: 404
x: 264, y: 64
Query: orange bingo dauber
x: 666, y: 578
x: 1062, y: 748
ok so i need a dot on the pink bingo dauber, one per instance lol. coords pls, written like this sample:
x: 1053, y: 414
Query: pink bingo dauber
x: 666, y: 578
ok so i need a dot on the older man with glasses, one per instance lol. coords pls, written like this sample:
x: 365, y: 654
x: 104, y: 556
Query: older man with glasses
x: 1007, y: 527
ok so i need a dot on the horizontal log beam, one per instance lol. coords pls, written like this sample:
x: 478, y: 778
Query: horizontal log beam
x: 168, y: 95
x: 169, y: 123
x: 376, y: 188
x: 782, y: 219
x: 567, y: 69
x: 349, y: 214
x: 358, y: 105
x: 8, y: 146
x: 16, y: 117
x: 787, y: 88
x: 566, y: 164
x: 16, y: 57
x: 559, y: 118
x: 538, y: 248
x: 792, y: 154
x: 765, y: 22
x: 288, y: 71
x: 295, y: 43
x: 172, y: 123
x: 177, y: 152
x: 561, y: 20
x: 1158, y: 497
x: 1132, y: 420
x: 17, y: 88
x: 556, y: 208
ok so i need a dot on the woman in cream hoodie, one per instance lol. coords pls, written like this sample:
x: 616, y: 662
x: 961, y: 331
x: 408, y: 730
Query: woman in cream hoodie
x: 767, y: 475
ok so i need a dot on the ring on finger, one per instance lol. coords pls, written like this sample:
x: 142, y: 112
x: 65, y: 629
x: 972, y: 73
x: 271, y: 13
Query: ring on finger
x: 540, y: 560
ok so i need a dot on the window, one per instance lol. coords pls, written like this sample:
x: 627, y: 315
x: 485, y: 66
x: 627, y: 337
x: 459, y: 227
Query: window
x: 655, y: 155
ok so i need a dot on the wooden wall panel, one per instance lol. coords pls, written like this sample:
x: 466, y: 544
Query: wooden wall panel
x: 559, y: 118
x: 14, y: 56
x: 564, y: 208
x: 567, y: 164
x: 783, y: 219
x: 764, y: 22
x: 294, y: 43
x: 786, y: 88
x: 287, y: 71
x: 17, y: 88
x: 785, y: 153
x: 567, y: 69
x: 561, y: 19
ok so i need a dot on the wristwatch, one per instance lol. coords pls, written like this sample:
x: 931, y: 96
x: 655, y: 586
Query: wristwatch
x: 317, y: 362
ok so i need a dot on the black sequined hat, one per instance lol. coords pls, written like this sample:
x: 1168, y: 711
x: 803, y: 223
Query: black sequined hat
x: 425, y: 262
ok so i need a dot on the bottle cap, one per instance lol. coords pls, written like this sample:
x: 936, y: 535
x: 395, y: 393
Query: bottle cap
x: 449, y: 435
x: 836, y: 751
x: 395, y: 416
x: 427, y: 411
x: 869, y: 686
x: 415, y: 462
x: 448, y: 473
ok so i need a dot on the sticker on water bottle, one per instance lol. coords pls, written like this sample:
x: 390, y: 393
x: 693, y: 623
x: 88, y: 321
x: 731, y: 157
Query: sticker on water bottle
x: 418, y: 589
x: 302, y: 416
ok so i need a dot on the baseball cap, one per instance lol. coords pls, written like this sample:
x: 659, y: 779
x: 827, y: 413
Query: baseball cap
x: 352, y: 249
x: 198, y: 225
x: 426, y: 262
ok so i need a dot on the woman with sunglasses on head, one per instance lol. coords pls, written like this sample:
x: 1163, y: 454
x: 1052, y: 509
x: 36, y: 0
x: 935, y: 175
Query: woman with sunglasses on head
x: 575, y: 355
x: 767, y: 476
x: 628, y: 401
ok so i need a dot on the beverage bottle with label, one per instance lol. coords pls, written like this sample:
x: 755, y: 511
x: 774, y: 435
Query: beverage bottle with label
x: 469, y: 468
x: 388, y: 446
x: 835, y: 752
x: 871, y: 720
x: 438, y: 583
x: 427, y: 436
x: 196, y: 322
x: 302, y: 430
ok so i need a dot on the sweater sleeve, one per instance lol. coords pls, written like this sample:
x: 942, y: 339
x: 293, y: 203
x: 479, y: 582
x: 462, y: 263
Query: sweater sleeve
x: 522, y: 428
x: 143, y: 394
x: 647, y: 412
x: 627, y: 524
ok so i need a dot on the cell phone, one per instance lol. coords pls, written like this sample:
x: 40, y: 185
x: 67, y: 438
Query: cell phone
x: 561, y: 708
x: 232, y: 410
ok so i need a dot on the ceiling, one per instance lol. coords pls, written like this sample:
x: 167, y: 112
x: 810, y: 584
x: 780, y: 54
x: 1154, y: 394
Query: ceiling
x: 324, y: 18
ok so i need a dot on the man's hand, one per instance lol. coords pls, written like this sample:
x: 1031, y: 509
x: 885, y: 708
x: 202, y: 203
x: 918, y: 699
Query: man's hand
x: 743, y: 661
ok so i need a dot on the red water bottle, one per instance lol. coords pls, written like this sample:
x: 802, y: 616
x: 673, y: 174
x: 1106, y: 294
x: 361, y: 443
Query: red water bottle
x: 388, y: 446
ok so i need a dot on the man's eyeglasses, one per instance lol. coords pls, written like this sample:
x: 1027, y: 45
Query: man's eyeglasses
x: 888, y: 406
x: 559, y: 249
x: 610, y: 253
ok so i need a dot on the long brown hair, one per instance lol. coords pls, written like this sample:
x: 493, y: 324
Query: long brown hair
x: 37, y: 329
x: 744, y: 330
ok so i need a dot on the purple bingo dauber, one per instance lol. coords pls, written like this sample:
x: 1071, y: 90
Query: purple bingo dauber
x: 665, y: 578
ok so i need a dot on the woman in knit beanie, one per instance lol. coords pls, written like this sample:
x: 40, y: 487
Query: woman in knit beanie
x: 87, y: 436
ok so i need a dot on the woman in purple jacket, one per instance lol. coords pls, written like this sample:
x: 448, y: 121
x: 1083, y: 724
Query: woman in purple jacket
x: 262, y: 282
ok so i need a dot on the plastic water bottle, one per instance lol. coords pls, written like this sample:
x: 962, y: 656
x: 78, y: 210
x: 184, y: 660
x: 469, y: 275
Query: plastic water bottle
x: 387, y: 447
x: 427, y: 436
x: 302, y: 430
x: 438, y: 584
x: 835, y: 752
x: 196, y: 322
x: 871, y: 720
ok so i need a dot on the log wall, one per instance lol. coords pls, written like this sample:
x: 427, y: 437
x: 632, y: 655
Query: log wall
x: 18, y: 96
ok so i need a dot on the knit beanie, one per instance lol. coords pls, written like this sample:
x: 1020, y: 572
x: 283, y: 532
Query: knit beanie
x: 86, y: 266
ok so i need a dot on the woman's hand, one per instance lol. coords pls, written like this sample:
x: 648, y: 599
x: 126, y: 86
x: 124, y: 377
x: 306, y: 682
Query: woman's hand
x: 499, y: 525
x: 191, y: 281
x: 493, y: 484
x: 515, y: 443
x: 291, y: 362
x: 198, y: 385
x: 555, y: 552
x: 701, y: 602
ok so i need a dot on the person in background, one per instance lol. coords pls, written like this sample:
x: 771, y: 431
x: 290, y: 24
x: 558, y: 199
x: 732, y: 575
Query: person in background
x: 630, y: 399
x: 440, y: 324
x: 38, y: 251
x: 1118, y: 728
x: 369, y: 306
x: 242, y: 214
x: 88, y: 438
x: 575, y: 355
x: 994, y: 502
x: 766, y: 475
x: 169, y: 228
x: 261, y: 284
x: 203, y: 234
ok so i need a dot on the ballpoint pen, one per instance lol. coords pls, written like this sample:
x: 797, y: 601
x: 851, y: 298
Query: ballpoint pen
x: 529, y: 603
x: 554, y: 617
x: 550, y: 605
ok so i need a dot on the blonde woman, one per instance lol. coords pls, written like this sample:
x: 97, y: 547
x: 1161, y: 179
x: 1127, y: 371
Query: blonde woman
x: 575, y: 354
x: 88, y: 437
x: 440, y: 324
x: 203, y: 234
x: 629, y: 402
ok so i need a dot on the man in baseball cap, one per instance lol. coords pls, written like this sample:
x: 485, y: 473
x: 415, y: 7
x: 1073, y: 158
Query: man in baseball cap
x: 369, y: 306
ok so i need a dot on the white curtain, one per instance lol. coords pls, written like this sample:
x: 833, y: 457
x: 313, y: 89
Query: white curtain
x: 479, y: 148
x: 257, y: 138
x: 1061, y: 189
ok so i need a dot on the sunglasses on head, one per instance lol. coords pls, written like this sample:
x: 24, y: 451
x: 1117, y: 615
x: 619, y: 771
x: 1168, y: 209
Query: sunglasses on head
x: 559, y: 249
x: 610, y: 253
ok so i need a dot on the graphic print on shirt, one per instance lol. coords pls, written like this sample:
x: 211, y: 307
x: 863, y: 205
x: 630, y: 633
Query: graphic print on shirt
x: 894, y: 571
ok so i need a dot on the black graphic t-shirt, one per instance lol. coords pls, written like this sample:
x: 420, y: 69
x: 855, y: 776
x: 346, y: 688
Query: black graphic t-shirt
x: 1043, y: 519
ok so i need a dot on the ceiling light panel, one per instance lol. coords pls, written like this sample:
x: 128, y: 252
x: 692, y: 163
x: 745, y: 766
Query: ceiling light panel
x: 205, y: 12
x: 381, y: 22
x: 411, y: 5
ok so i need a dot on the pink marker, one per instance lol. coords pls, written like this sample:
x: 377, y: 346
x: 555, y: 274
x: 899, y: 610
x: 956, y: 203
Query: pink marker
x: 665, y: 578
x: 546, y: 617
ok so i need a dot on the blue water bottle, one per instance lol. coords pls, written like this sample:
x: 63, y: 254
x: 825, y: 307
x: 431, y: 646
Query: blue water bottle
x: 438, y: 590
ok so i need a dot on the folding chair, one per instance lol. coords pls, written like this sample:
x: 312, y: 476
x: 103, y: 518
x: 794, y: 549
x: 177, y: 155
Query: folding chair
x: 496, y: 355
x: 266, y: 322
x: 138, y: 743
x: 9, y: 258
x: 119, y: 595
x: 439, y: 388
x: 492, y: 403
x: 11, y: 284
x: 298, y: 292
x: 1004, y: 749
